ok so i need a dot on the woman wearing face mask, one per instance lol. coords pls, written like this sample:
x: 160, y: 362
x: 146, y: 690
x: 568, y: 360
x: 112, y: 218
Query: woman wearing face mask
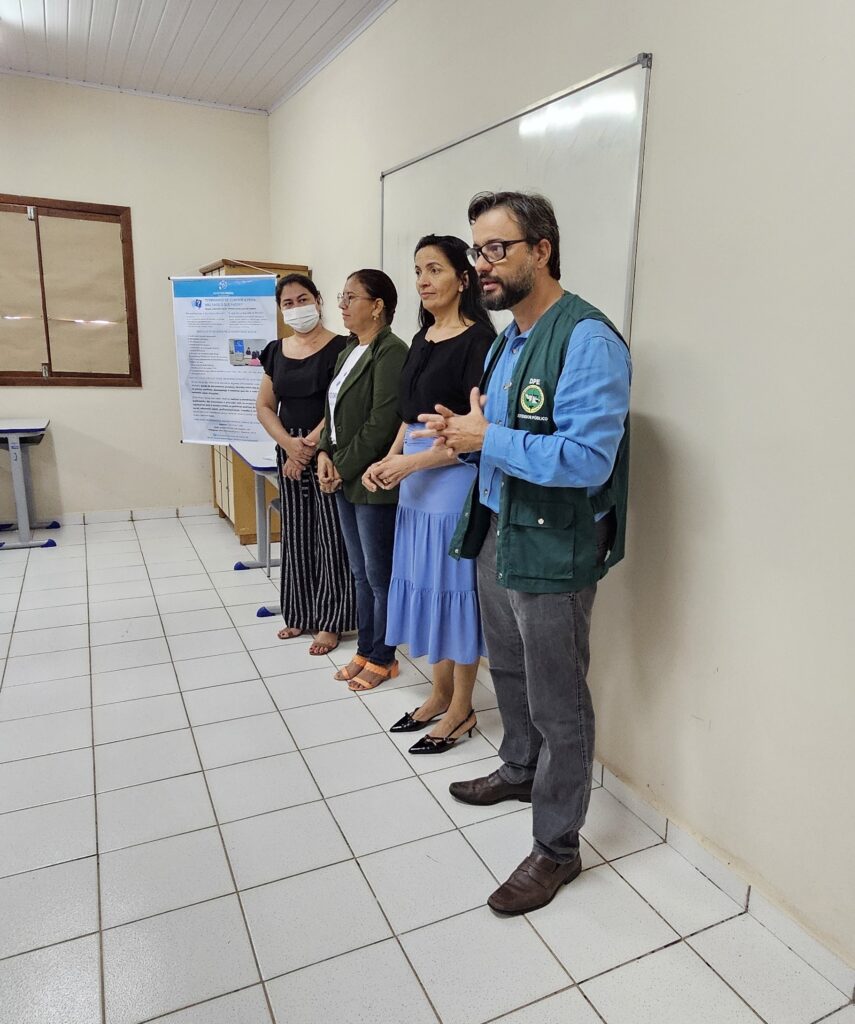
x: 316, y: 588
x: 433, y: 603
x: 361, y: 422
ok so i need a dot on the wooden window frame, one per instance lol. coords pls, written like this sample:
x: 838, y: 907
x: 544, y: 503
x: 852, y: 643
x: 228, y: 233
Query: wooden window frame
x: 59, y: 378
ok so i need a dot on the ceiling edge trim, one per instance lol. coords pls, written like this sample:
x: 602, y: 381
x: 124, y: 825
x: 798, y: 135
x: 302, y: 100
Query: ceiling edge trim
x: 14, y: 73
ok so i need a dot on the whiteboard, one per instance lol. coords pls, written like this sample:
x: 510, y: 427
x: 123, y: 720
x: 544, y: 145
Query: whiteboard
x: 582, y: 149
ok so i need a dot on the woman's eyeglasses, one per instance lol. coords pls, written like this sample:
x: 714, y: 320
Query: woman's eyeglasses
x: 345, y: 298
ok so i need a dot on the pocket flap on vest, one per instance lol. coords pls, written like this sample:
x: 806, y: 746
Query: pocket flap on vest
x: 547, y: 516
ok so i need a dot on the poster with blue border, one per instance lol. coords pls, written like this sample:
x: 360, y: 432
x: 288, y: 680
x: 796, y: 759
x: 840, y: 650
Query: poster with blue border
x: 221, y: 327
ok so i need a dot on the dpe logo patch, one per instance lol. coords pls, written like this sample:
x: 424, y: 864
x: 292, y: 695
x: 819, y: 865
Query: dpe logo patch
x: 532, y: 398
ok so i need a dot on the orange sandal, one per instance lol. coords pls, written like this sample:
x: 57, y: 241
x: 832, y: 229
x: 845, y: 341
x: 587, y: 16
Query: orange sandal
x: 343, y: 672
x: 383, y: 671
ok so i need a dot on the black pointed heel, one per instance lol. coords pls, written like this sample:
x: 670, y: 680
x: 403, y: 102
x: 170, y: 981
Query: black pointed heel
x: 410, y: 724
x: 439, y: 744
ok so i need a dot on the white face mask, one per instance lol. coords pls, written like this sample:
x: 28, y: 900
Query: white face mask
x: 302, y: 319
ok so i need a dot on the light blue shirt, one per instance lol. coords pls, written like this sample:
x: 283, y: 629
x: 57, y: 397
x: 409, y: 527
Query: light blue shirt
x: 591, y: 404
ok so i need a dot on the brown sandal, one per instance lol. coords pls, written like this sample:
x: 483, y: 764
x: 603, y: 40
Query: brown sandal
x: 384, y: 671
x: 320, y: 648
x: 345, y: 672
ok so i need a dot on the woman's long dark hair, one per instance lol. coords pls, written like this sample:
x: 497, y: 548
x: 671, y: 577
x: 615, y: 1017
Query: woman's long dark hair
x: 471, y: 300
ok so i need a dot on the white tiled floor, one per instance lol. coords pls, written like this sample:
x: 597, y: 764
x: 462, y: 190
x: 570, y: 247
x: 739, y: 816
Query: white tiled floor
x: 245, y: 843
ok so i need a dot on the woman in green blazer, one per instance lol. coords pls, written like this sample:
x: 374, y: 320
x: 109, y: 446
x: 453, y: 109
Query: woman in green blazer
x: 361, y: 422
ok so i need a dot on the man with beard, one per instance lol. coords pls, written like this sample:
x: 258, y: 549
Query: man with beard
x: 545, y: 520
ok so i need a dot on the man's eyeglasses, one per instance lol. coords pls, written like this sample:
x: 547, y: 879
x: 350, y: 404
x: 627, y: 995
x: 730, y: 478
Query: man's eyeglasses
x: 492, y: 252
x: 345, y: 299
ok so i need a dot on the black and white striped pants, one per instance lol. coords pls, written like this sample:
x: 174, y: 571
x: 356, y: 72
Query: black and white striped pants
x: 316, y: 589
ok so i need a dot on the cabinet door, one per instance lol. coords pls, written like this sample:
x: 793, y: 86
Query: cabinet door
x: 230, y: 489
x: 243, y: 489
x: 218, y: 477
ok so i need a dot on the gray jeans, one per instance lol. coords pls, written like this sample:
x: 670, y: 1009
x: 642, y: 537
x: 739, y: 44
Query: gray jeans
x: 538, y: 649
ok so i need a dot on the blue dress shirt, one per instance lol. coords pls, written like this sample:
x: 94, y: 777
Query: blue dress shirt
x: 591, y: 404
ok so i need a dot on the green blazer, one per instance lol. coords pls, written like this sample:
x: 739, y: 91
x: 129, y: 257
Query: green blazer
x: 366, y: 415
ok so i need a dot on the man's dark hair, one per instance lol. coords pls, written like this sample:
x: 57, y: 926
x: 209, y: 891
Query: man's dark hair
x: 533, y: 212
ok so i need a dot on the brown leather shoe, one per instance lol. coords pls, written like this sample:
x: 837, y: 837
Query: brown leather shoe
x: 533, y: 884
x: 490, y: 790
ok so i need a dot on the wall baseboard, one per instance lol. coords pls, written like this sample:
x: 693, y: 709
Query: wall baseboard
x: 775, y: 919
x: 195, y: 511
x: 811, y: 950
x: 139, y: 514
x: 640, y: 808
x: 70, y: 519
x: 120, y: 515
x: 108, y: 516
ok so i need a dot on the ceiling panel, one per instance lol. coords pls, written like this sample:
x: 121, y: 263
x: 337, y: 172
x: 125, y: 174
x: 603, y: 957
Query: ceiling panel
x: 98, y: 41
x: 244, y: 55
x: 340, y: 32
x: 56, y: 37
x: 121, y: 38
x: 237, y: 53
x: 220, y: 23
x: 151, y: 14
x: 291, y: 14
x: 146, y: 67
x: 313, y: 20
x: 35, y: 40
x: 13, y: 53
x: 77, y: 39
x: 177, y: 53
x: 224, y: 57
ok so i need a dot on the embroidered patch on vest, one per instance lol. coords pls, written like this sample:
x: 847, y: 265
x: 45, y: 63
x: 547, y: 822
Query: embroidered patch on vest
x: 532, y: 399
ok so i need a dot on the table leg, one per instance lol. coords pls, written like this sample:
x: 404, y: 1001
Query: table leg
x: 260, y: 525
x: 261, y: 539
x: 23, y: 496
x: 36, y: 524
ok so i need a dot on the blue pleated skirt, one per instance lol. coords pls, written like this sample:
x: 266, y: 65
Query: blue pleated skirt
x: 433, y: 601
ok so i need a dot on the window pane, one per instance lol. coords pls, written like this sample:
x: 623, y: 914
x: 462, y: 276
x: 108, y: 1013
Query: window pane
x: 22, y: 341
x: 85, y: 293
x: 89, y: 348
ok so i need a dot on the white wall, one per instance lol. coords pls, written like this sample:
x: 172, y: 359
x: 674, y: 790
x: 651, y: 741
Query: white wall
x: 723, y: 669
x: 196, y: 180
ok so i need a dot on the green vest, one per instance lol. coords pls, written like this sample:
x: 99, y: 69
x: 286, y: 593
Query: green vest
x: 546, y: 540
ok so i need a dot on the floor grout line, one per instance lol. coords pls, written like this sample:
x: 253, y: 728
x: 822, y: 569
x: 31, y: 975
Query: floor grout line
x: 228, y: 859
x: 724, y: 980
x: 5, y: 660
x: 281, y: 712
x: 332, y: 665
x: 356, y: 859
x: 101, y: 969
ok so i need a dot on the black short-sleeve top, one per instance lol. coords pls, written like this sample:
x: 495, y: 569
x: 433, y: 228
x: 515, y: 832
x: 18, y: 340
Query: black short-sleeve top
x: 443, y: 371
x: 300, y: 385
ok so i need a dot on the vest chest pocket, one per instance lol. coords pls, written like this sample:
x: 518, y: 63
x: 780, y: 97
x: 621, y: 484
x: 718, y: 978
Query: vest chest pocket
x: 542, y: 540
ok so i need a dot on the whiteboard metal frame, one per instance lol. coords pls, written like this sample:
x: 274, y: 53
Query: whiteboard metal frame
x: 645, y: 60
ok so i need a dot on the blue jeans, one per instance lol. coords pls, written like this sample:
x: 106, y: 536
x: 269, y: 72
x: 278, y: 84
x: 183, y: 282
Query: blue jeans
x: 369, y: 536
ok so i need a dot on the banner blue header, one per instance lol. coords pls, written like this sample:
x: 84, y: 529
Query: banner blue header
x: 208, y: 287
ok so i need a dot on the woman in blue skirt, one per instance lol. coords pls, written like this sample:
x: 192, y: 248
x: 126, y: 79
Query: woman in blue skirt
x: 433, y: 602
